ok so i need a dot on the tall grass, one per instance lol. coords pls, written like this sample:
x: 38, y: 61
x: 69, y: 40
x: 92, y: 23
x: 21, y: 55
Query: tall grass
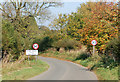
x: 22, y: 69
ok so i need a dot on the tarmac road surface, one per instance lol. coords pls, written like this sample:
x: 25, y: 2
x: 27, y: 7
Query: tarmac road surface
x: 64, y: 70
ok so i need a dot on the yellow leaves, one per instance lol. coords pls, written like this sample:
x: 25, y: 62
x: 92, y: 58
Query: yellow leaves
x: 105, y: 36
x: 96, y: 24
x: 102, y: 47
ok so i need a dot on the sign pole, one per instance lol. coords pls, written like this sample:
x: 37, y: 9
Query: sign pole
x: 28, y: 60
x: 93, y: 50
x: 33, y: 52
x: 93, y: 42
x: 36, y: 58
x: 35, y: 46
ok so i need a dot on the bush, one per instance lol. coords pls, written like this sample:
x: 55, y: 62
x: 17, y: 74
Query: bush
x: 57, y: 44
x: 44, y: 43
x: 67, y: 44
x: 82, y: 56
x: 112, y: 49
x: 12, y: 41
x: 107, y: 61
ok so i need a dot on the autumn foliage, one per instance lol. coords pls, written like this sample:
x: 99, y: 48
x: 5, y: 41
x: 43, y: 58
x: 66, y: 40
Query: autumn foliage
x: 97, y: 21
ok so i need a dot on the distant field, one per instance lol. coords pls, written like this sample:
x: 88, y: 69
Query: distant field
x: 25, y: 70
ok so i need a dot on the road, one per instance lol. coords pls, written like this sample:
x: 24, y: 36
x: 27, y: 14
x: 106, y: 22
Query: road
x: 64, y: 70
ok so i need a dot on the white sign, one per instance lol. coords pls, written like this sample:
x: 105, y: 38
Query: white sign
x: 31, y: 52
x: 93, y: 42
x: 35, y: 46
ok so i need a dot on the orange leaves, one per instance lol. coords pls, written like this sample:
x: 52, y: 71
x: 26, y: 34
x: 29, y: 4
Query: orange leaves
x: 91, y: 21
x: 98, y: 24
x: 102, y: 47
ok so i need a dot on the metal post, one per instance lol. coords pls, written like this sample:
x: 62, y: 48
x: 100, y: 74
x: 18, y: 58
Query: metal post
x: 36, y: 58
x: 28, y: 60
x: 93, y: 50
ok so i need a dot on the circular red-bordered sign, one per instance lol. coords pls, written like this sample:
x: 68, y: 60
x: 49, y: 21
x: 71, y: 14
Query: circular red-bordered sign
x: 93, y: 42
x: 35, y: 46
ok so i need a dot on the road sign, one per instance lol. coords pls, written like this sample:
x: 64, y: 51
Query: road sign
x: 93, y: 42
x: 35, y: 46
x: 31, y: 52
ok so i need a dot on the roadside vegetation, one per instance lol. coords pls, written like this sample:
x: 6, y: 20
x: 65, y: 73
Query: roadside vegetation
x: 19, y: 30
x: 104, y: 67
x: 75, y: 30
x: 68, y: 38
x: 23, y: 70
x: 0, y: 73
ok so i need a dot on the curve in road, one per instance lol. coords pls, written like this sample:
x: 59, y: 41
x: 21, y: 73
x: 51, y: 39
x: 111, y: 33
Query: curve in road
x: 64, y: 70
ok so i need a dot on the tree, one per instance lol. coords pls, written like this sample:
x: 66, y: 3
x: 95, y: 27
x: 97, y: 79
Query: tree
x: 16, y: 9
x: 20, y: 27
x: 12, y: 42
x: 59, y: 25
x: 22, y: 13
x: 75, y: 23
x: 44, y: 43
x: 101, y: 24
x: 91, y: 21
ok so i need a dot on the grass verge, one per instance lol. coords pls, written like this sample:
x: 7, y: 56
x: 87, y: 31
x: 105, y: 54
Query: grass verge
x: 0, y: 74
x: 107, y: 74
x: 25, y: 70
x: 0, y: 71
x: 101, y: 72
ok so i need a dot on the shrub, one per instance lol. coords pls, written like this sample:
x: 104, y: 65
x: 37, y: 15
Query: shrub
x: 112, y: 49
x: 57, y: 44
x: 44, y: 43
x: 67, y: 44
x: 82, y: 56
x: 12, y: 41
x: 108, y: 61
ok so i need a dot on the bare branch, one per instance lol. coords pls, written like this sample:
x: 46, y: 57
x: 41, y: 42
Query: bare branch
x: 22, y: 9
x: 36, y: 8
x: 40, y: 8
x: 24, y: 3
x: 2, y: 10
x: 18, y: 4
x: 13, y: 4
